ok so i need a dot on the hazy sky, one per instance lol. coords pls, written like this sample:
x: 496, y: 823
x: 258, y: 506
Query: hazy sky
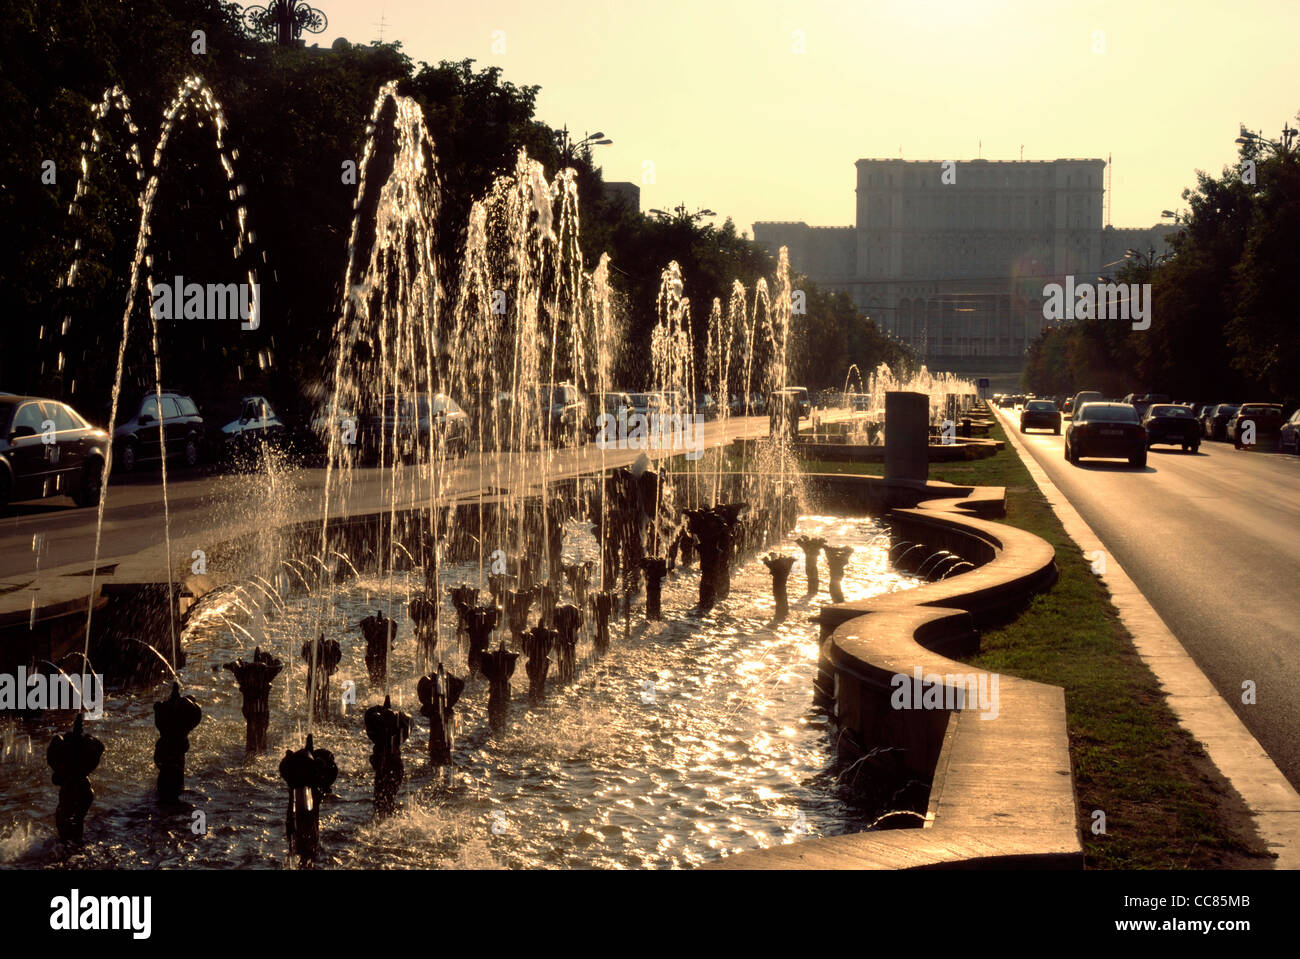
x: 716, y: 95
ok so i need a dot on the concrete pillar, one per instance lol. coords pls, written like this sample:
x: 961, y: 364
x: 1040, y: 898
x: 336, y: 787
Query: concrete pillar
x: 907, y: 436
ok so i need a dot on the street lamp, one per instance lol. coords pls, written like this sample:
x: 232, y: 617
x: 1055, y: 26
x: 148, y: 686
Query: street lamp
x: 1171, y: 215
x: 285, y: 20
x: 1258, y: 139
x: 568, y: 146
x: 681, y: 213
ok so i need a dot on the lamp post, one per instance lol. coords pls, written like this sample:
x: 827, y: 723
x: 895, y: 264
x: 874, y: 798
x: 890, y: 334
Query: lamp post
x: 285, y: 19
x: 568, y: 146
x: 1258, y: 140
x: 682, y: 215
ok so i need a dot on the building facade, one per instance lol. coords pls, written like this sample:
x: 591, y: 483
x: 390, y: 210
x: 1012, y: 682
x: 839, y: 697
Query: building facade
x: 951, y: 257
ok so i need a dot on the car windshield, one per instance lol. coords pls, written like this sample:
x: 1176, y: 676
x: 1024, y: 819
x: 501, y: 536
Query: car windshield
x: 1171, y: 411
x: 1042, y: 406
x: 1108, y: 413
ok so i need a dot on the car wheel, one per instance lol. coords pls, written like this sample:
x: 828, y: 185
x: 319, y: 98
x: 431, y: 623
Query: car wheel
x: 1056, y: 431
x: 191, y: 452
x: 92, y: 484
x: 1196, y: 448
x: 1140, y: 460
x: 126, y: 458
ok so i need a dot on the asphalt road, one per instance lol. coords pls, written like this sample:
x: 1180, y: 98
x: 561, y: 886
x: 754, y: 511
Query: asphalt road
x: 1213, y: 542
x: 40, y: 535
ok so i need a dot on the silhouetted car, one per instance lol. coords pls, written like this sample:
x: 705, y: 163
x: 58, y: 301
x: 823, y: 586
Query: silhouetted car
x: 138, y: 439
x: 1266, y: 419
x: 411, y: 424
x: 1040, y: 415
x: 1175, y: 425
x: 1143, y: 402
x: 1288, y: 438
x: 557, y: 409
x: 1106, y: 429
x: 1085, y: 396
x: 599, y: 404
x: 257, y: 426
x: 792, y: 397
x: 1068, y: 406
x: 706, y: 406
x: 1214, y: 425
x: 48, y: 449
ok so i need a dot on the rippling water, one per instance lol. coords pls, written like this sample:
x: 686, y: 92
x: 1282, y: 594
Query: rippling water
x: 691, y: 739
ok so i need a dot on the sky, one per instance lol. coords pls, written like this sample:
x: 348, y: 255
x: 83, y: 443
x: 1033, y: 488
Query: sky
x: 758, y: 109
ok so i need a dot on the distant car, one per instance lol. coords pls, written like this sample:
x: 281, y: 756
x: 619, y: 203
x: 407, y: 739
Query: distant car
x: 1266, y: 419
x: 1006, y: 402
x: 1142, y: 402
x: 1288, y: 438
x: 1086, y: 396
x: 1214, y: 425
x: 48, y: 449
x: 1041, y: 415
x: 137, y: 439
x: 1106, y: 430
x: 411, y: 422
x: 648, y: 404
x: 1068, y: 406
x: 1175, y: 425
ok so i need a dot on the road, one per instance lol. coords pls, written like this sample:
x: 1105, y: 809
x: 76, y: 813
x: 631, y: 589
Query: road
x: 41, y: 535
x: 1213, y: 542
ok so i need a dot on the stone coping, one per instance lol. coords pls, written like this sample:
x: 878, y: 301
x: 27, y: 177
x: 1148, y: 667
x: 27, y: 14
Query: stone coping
x: 1002, y: 793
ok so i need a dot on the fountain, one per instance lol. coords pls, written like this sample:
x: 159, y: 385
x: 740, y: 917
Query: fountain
x: 837, y: 557
x: 322, y: 657
x: 175, y: 718
x: 254, y: 679
x: 73, y: 756
x: 537, y: 644
x: 379, y: 634
x: 780, y: 567
x: 387, y: 729
x: 309, y: 774
x: 438, y: 693
x: 498, y: 666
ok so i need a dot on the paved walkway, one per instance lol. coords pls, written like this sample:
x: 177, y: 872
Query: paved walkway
x: 1193, y: 698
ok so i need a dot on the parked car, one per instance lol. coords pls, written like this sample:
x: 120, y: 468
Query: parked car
x: 599, y: 404
x: 1214, y: 426
x: 1267, y: 419
x: 137, y: 440
x: 706, y: 406
x: 1288, y: 438
x: 48, y: 449
x: 648, y: 404
x: 1041, y: 415
x: 257, y: 425
x: 410, y: 422
x: 1175, y: 425
x: 1106, y: 429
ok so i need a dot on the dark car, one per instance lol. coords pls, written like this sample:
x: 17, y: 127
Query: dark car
x: 1144, y: 401
x: 411, y: 423
x: 606, y: 404
x: 706, y: 406
x: 555, y: 413
x: 1266, y: 418
x: 139, y: 440
x: 48, y: 449
x: 1214, y: 425
x: 1068, y: 406
x: 1175, y: 425
x: 792, y: 400
x: 1085, y: 396
x: 1106, y: 429
x: 1288, y: 437
x: 1041, y: 415
x: 257, y: 426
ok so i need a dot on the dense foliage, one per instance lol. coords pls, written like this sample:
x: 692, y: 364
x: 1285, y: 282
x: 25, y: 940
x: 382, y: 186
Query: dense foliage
x: 294, y: 115
x: 1223, y: 325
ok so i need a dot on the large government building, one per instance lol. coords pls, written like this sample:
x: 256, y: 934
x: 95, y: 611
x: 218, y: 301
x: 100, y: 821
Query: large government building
x: 951, y: 257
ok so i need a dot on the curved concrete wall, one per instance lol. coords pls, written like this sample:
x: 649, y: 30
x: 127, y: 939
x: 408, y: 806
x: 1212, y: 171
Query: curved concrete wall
x: 1002, y: 792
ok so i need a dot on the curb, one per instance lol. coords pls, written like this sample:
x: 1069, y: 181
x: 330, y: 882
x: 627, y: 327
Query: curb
x: 1196, y: 703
